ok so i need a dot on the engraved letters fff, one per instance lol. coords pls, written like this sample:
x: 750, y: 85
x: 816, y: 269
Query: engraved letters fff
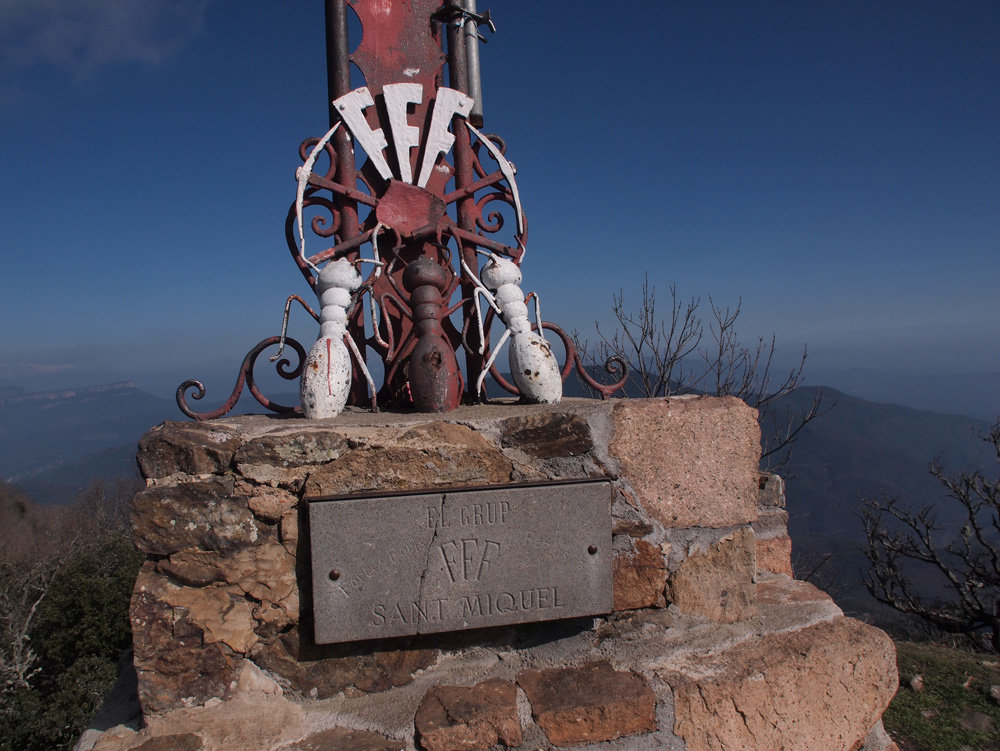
x: 449, y: 560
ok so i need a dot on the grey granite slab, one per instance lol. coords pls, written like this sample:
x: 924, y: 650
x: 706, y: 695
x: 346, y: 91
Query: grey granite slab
x: 452, y: 560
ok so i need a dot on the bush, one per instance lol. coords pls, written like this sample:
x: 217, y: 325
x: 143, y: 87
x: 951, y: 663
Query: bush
x: 80, y: 629
x: 41, y: 720
x: 85, y: 611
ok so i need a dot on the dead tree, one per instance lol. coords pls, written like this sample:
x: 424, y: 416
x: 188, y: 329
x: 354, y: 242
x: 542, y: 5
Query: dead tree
x: 29, y: 540
x: 23, y: 586
x: 674, y: 355
x: 905, y: 546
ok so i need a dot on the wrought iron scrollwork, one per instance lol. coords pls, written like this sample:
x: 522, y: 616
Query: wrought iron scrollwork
x: 246, y: 378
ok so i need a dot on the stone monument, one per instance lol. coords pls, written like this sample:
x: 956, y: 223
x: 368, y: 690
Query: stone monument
x: 596, y: 574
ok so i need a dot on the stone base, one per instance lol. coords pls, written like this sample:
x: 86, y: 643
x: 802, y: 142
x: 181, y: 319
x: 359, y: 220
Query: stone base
x: 797, y: 675
x: 709, y: 645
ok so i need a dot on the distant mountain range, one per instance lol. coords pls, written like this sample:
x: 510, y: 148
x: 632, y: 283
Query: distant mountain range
x: 52, y: 443
x: 863, y: 449
x: 973, y: 394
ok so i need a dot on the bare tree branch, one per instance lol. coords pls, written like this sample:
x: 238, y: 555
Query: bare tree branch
x: 904, y: 543
x: 22, y: 589
x: 660, y: 352
x: 654, y: 348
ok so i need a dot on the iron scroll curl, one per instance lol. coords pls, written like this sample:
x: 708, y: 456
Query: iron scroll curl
x: 246, y: 378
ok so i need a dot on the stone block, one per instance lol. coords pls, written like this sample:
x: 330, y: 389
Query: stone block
x: 775, y: 555
x: 341, y: 739
x: 692, y: 461
x: 288, y: 532
x: 321, y: 672
x: 775, y: 591
x: 252, y: 720
x: 221, y: 614
x: 878, y: 740
x: 202, y: 515
x: 771, y: 522
x: 432, y: 455
x: 640, y: 577
x: 173, y: 742
x: 188, y: 570
x: 547, y: 435
x: 771, y: 490
x: 175, y: 663
x: 273, y: 618
x: 453, y: 718
x: 774, y: 547
x: 270, y: 504
x: 193, y: 448
x: 265, y: 572
x: 276, y: 477
x: 821, y: 687
x: 590, y: 703
x: 717, y: 583
x: 293, y: 448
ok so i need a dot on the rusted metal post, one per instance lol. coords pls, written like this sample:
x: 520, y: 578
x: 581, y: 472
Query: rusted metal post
x: 464, y: 175
x: 338, y: 61
x: 472, y: 57
x: 338, y: 83
x: 338, y: 71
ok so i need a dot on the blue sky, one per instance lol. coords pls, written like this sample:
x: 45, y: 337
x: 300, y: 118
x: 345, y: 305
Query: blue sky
x: 834, y: 164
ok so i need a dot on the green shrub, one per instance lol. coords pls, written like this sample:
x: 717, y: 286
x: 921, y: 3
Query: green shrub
x: 85, y: 612
x: 41, y: 720
x: 81, y: 628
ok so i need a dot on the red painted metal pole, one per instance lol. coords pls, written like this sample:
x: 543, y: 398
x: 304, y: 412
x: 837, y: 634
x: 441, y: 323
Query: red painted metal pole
x: 464, y: 175
x: 338, y: 83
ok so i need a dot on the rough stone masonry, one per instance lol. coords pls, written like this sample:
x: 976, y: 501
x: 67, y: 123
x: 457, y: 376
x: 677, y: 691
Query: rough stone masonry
x: 711, y: 644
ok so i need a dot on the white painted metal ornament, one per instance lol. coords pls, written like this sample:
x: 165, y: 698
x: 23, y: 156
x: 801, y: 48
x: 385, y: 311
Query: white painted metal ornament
x: 326, y: 378
x: 533, y: 365
x: 398, y: 96
x: 438, y: 140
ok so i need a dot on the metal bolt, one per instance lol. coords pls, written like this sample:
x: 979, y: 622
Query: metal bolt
x: 334, y: 575
x: 592, y: 550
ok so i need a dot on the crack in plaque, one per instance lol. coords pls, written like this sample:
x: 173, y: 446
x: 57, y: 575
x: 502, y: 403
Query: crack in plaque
x: 427, y: 555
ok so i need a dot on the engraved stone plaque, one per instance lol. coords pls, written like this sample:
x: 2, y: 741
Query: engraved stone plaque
x: 448, y: 560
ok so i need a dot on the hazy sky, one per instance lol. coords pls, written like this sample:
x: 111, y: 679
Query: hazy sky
x: 834, y: 164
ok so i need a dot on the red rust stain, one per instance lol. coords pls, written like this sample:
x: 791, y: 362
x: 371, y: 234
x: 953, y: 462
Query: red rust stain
x: 329, y: 384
